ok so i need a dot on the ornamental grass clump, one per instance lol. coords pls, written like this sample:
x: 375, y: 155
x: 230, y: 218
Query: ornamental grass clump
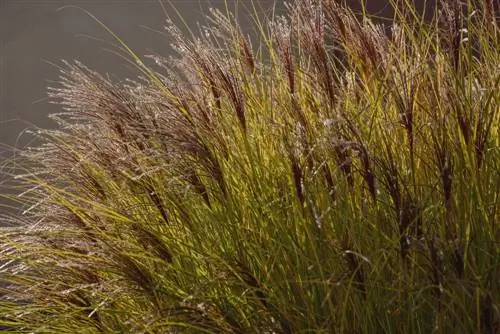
x: 342, y: 176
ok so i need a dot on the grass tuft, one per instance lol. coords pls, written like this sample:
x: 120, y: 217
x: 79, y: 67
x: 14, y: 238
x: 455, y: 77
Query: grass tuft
x: 340, y: 177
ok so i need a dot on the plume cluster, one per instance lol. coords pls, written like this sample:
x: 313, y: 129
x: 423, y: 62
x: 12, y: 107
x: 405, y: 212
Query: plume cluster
x: 341, y: 177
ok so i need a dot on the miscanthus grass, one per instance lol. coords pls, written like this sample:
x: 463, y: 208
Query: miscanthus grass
x: 342, y: 176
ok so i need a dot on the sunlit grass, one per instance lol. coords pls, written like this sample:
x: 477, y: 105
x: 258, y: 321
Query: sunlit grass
x: 339, y: 178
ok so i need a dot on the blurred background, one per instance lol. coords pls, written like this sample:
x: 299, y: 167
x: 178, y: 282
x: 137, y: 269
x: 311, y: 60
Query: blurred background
x: 35, y: 35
